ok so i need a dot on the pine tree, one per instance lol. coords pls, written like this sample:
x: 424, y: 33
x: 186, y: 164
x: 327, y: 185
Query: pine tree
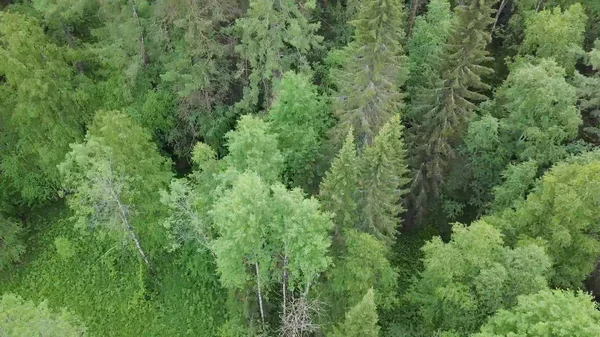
x: 275, y: 36
x: 447, y: 109
x: 382, y: 180
x: 361, y: 320
x: 339, y: 191
x: 372, y: 72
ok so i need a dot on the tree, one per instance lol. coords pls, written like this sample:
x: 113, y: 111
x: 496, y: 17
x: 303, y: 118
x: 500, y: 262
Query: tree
x: 275, y: 37
x: 24, y: 318
x: 588, y: 102
x: 556, y: 34
x: 43, y: 108
x: 562, y: 211
x: 547, y: 313
x: 372, y: 71
x: 363, y: 265
x: 426, y: 48
x: 361, y: 320
x: 269, y: 235
x: 253, y: 147
x: 448, y: 108
x: 382, y: 179
x: 472, y: 276
x: 11, y: 246
x: 533, y: 117
x: 299, y: 116
x: 339, y: 192
x: 112, y: 180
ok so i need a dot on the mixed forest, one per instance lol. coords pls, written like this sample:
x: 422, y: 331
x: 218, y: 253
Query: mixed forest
x: 318, y: 168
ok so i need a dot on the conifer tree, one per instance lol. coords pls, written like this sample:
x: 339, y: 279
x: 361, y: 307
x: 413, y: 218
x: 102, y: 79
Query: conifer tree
x: 372, y: 72
x: 339, y: 191
x: 361, y: 320
x: 426, y: 47
x: 275, y: 36
x: 382, y: 180
x: 11, y: 245
x: 447, y: 109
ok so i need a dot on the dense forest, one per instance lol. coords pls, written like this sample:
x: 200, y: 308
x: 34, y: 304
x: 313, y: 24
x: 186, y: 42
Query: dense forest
x: 317, y: 168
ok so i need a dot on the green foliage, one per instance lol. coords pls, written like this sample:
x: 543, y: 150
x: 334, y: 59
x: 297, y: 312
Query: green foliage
x: 556, y: 34
x: 547, y: 313
x: 472, y: 276
x: 562, y: 211
x: 339, y: 191
x: 275, y: 37
x: 362, y: 266
x: 299, y: 116
x: 64, y: 247
x: 113, y: 179
x: 533, y: 117
x: 11, y: 245
x: 426, y: 47
x: 266, y: 227
x: 383, y: 174
x: 252, y: 147
x: 588, y: 88
x: 23, y: 318
x: 361, y: 320
x: 43, y: 107
x: 448, y: 107
x: 373, y: 69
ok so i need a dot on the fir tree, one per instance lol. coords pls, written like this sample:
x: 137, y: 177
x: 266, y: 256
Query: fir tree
x: 382, y: 179
x: 448, y: 108
x: 361, y: 320
x: 339, y: 191
x: 372, y: 72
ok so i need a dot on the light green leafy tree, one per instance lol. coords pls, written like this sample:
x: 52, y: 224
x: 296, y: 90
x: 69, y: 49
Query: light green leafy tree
x: 363, y: 265
x: 24, y: 318
x: 472, y: 276
x: 547, y: 313
x: 253, y: 147
x: 383, y: 176
x: 556, y: 34
x: 533, y: 117
x: 373, y: 69
x: 43, y: 108
x: 361, y: 320
x: 447, y: 108
x: 275, y: 37
x: 269, y: 235
x: 112, y: 181
x: 11, y: 245
x: 562, y: 210
x: 300, y: 117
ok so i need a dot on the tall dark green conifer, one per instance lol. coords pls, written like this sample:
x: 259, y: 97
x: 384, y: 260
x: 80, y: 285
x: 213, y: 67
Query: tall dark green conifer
x: 447, y: 109
x: 383, y: 174
x: 373, y: 69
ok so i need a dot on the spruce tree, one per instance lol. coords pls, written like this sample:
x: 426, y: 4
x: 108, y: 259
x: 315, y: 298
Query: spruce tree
x: 448, y: 107
x: 275, y: 36
x: 361, y: 320
x: 339, y: 191
x: 382, y: 180
x: 368, y: 84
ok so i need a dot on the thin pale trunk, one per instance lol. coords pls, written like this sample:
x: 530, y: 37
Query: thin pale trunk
x: 284, y: 284
x: 260, y: 302
x: 502, y: 4
x: 143, y: 52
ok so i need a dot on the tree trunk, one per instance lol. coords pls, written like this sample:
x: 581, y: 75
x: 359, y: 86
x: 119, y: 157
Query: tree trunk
x: 502, y: 4
x: 260, y: 302
x: 143, y: 51
x: 415, y: 4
